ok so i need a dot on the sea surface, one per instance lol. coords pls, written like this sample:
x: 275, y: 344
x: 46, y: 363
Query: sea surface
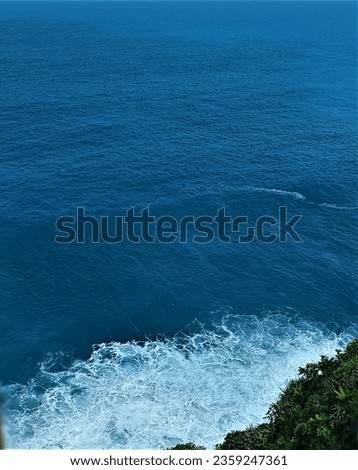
x: 183, y: 108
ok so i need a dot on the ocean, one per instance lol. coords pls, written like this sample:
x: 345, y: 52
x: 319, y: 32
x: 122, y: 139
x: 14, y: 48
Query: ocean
x: 182, y: 108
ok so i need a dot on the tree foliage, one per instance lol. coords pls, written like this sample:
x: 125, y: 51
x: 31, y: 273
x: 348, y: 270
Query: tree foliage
x: 318, y: 410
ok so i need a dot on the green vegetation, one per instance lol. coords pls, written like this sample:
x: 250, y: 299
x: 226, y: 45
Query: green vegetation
x: 252, y: 438
x: 318, y: 410
x: 187, y: 446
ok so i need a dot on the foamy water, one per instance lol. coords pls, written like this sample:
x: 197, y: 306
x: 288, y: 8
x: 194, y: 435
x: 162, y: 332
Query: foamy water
x: 160, y: 393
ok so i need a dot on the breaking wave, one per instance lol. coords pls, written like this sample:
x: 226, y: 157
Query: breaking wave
x: 158, y: 393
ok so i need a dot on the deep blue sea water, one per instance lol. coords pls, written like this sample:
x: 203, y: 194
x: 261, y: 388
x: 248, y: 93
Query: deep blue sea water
x: 185, y: 108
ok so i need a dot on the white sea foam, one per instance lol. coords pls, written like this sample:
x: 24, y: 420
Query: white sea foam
x: 159, y: 393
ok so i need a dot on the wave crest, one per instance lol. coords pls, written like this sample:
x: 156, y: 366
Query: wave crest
x: 156, y: 394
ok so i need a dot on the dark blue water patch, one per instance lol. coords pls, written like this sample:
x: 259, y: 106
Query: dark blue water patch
x: 94, y: 293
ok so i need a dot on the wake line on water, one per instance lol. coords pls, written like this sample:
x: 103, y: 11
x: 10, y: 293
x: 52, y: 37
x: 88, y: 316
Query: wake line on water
x: 253, y: 189
x: 297, y: 196
x: 159, y: 393
x: 335, y: 206
x: 274, y: 191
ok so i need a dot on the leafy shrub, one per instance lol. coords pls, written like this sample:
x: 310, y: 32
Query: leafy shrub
x: 187, y: 446
x: 318, y: 410
x: 253, y: 438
